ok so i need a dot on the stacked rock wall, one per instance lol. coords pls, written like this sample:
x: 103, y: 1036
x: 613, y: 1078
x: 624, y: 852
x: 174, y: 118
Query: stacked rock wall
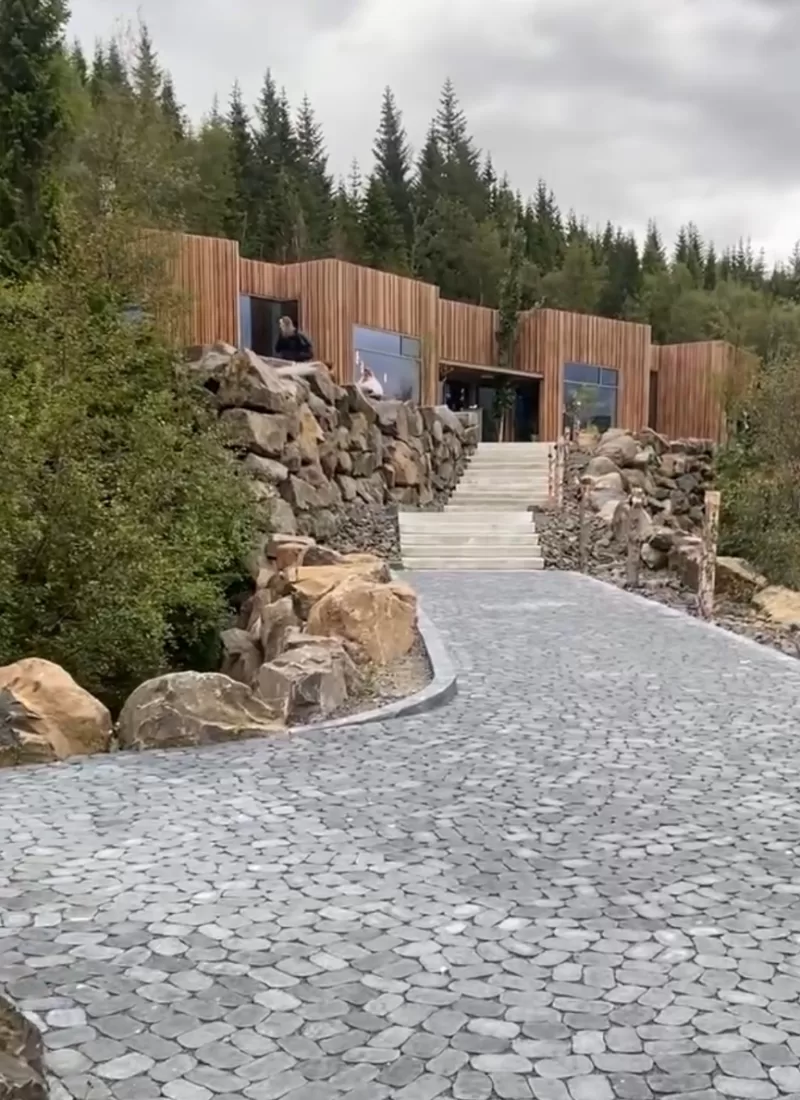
x: 325, y: 460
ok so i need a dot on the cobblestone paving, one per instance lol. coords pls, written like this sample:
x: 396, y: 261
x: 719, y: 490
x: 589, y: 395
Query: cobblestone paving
x: 580, y: 880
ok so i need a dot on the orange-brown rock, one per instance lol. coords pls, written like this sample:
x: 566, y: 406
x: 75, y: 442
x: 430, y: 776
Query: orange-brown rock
x: 45, y: 715
x: 309, y: 583
x: 380, y: 618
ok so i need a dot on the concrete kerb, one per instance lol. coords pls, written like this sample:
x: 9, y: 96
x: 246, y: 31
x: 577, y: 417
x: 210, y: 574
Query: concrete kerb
x: 442, y: 688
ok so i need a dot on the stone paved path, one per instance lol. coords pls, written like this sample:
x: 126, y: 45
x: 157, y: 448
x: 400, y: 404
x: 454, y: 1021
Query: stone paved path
x: 580, y: 880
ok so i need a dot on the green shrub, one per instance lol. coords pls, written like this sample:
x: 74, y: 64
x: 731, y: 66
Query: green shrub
x: 123, y: 521
x: 759, y: 476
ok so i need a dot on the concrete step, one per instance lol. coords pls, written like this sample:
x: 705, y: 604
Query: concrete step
x: 501, y: 548
x: 470, y: 538
x: 497, y: 565
x: 496, y: 502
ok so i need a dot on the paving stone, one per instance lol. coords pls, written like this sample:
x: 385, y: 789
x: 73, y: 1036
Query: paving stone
x: 470, y: 1085
x: 542, y: 889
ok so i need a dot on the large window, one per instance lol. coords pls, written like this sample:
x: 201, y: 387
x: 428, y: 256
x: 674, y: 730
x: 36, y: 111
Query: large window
x: 590, y: 395
x: 395, y: 361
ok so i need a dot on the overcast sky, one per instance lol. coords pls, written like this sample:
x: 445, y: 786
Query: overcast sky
x: 629, y: 109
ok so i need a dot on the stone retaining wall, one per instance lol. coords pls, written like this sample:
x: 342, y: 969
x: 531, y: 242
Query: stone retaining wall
x: 325, y: 460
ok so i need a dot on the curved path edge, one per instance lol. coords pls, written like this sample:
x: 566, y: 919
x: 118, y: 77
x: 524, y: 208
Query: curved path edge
x: 441, y: 689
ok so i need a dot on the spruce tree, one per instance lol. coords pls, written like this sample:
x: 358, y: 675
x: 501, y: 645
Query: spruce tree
x: 79, y: 64
x: 461, y: 161
x: 653, y: 257
x: 393, y: 161
x: 384, y: 244
x: 116, y: 71
x: 347, y: 240
x: 546, y: 243
x: 33, y: 121
x: 710, y: 269
x: 98, y: 77
x: 429, y: 184
x: 275, y: 185
x: 314, y: 185
x: 239, y: 219
x: 173, y: 113
x: 146, y: 75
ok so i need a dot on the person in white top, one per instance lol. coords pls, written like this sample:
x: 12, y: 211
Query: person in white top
x: 369, y: 384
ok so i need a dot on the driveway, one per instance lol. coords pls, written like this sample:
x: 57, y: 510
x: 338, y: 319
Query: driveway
x: 579, y: 880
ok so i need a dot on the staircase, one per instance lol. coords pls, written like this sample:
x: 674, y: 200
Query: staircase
x: 487, y: 523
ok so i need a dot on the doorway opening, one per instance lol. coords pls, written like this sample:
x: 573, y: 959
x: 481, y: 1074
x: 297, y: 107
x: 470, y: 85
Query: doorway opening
x: 259, y: 319
x: 508, y: 402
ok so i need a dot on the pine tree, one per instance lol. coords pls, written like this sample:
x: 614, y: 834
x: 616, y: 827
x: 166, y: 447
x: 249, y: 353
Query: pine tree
x: 172, y: 110
x: 116, y: 72
x: 239, y: 218
x: 393, y: 161
x: 429, y: 184
x: 314, y: 185
x: 710, y: 268
x: 79, y: 63
x: 681, y: 254
x: 97, y: 77
x: 33, y: 121
x: 146, y: 72
x: 461, y: 161
x: 215, y: 196
x: 276, y: 231
x: 347, y: 239
x: 384, y: 243
x: 653, y: 257
x: 546, y: 242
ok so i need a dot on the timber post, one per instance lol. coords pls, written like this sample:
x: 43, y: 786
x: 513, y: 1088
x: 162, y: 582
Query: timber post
x: 634, y: 561
x: 583, y: 524
x: 708, y: 555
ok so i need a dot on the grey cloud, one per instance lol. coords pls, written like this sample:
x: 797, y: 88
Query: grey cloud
x: 629, y: 109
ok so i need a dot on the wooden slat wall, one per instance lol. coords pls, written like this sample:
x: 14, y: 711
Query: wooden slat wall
x: 376, y: 299
x: 207, y: 269
x: 467, y: 333
x: 549, y: 338
x: 691, y: 388
x: 261, y: 280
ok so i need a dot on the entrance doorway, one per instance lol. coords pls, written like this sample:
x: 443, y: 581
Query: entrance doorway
x: 259, y: 321
x: 508, y: 402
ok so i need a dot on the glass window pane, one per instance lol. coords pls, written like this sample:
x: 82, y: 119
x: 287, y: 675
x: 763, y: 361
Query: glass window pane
x: 608, y: 377
x: 245, y: 321
x: 410, y: 347
x: 581, y: 373
x: 592, y: 404
x: 373, y: 339
x: 398, y: 376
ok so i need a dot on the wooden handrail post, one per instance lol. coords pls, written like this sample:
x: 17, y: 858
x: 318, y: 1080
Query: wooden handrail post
x: 561, y: 453
x: 583, y: 524
x: 708, y: 555
x: 551, y: 474
x: 634, y: 562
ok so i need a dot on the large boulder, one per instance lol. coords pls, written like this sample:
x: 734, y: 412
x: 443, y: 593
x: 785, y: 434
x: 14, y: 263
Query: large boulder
x: 184, y: 709
x: 22, y: 1075
x: 685, y: 558
x: 619, y: 446
x: 380, y: 618
x: 241, y: 658
x: 781, y: 605
x: 277, y: 619
x: 306, y: 681
x: 738, y: 579
x: 405, y: 464
x: 250, y: 383
x: 258, y: 432
x: 309, y: 435
x: 600, y: 466
x: 268, y: 470
x: 310, y: 583
x: 46, y: 716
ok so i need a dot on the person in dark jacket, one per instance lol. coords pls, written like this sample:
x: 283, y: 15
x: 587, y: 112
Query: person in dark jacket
x: 292, y: 345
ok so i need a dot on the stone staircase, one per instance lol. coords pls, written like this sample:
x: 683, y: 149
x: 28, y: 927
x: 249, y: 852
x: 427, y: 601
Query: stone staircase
x: 486, y: 523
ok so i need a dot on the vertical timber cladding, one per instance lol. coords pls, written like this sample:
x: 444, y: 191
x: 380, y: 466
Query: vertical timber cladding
x: 376, y: 299
x: 549, y: 338
x: 207, y: 270
x: 467, y: 334
x: 692, y: 380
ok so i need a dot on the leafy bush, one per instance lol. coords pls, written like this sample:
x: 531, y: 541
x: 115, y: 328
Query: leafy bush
x: 123, y: 521
x: 759, y: 476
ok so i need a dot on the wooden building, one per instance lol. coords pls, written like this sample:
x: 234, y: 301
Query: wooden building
x: 424, y: 347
